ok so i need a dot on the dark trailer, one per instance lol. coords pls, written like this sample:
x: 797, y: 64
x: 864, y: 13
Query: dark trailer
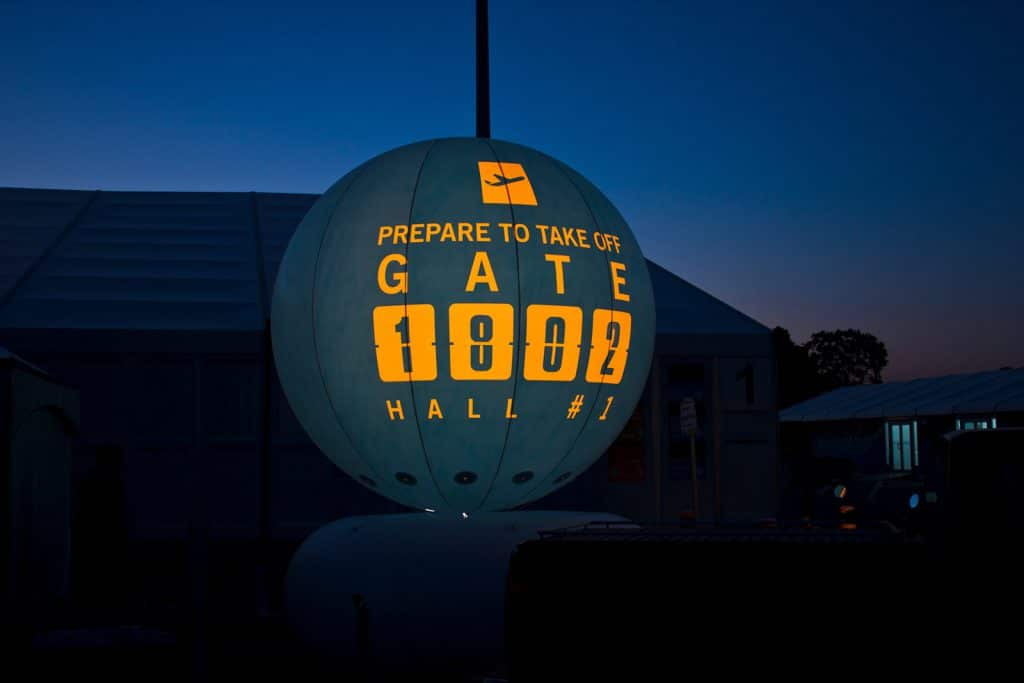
x: 630, y: 602
x: 979, y: 480
x: 870, y: 599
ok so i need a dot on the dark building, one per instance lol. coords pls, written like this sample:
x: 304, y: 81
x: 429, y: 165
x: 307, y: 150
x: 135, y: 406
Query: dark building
x: 898, y: 426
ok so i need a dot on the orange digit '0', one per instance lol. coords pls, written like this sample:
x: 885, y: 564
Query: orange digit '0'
x: 609, y: 346
x: 553, y: 335
x: 405, y: 340
x: 481, y: 340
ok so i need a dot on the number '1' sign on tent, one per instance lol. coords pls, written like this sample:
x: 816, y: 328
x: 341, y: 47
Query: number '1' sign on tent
x: 463, y: 324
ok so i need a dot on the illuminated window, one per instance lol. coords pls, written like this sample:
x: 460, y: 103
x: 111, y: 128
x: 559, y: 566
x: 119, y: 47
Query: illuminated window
x: 901, y: 445
x: 972, y: 423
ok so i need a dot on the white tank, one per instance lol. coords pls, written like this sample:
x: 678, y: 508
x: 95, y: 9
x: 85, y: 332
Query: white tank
x: 431, y: 586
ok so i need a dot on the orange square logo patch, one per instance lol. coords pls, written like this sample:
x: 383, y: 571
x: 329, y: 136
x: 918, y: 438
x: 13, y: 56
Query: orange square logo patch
x: 505, y: 183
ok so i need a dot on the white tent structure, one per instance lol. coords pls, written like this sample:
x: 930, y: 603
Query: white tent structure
x: 156, y: 305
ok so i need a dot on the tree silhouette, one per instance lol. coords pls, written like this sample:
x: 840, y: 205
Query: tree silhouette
x: 798, y: 376
x: 847, y: 357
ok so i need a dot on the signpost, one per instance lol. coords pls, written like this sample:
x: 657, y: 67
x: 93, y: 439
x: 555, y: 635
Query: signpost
x: 688, y: 423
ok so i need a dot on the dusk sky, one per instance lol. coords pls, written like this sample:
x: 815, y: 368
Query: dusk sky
x: 850, y: 166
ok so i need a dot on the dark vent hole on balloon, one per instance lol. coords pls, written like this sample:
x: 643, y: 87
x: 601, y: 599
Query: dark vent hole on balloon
x: 366, y: 480
x: 523, y: 477
x: 562, y: 477
x: 465, y: 478
x: 405, y: 478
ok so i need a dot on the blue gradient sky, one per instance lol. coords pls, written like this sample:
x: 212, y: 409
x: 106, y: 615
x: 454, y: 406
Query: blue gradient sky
x: 849, y: 166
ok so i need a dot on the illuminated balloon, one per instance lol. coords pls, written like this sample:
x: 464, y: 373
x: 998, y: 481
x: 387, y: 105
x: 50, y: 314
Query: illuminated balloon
x: 463, y: 324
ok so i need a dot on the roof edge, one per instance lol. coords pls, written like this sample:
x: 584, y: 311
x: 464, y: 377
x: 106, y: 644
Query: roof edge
x: 765, y: 328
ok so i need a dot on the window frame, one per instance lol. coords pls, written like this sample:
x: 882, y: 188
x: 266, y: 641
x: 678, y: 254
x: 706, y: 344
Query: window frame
x: 975, y: 420
x: 907, y: 462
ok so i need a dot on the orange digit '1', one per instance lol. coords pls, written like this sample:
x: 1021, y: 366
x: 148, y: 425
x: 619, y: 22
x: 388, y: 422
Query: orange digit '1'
x: 405, y: 339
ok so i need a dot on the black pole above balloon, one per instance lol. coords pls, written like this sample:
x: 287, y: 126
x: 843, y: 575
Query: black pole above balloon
x: 483, y: 76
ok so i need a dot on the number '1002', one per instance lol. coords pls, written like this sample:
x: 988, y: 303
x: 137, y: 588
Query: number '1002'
x: 481, y: 343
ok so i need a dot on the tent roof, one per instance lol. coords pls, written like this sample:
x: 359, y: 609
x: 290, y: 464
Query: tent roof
x: 981, y: 393
x: 188, y: 261
x: 683, y: 308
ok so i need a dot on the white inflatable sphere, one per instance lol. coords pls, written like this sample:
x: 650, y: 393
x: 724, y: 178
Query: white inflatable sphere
x: 463, y: 324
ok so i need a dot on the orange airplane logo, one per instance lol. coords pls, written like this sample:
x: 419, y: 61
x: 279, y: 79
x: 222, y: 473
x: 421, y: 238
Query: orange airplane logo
x: 504, y: 183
